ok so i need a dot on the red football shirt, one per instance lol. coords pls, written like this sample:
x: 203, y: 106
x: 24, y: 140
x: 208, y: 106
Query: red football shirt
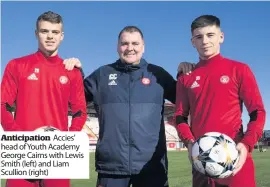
x: 42, y: 89
x: 213, y: 95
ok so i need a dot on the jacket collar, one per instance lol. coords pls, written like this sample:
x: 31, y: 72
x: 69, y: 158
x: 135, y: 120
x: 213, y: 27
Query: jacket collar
x: 130, y: 67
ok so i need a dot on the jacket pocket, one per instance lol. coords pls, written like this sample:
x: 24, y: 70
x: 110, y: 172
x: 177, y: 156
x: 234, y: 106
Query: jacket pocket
x: 102, y: 152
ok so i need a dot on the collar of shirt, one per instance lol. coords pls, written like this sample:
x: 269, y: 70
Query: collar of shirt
x: 216, y: 58
x: 130, y: 67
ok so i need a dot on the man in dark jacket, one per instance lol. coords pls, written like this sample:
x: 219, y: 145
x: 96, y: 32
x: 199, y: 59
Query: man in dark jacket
x: 129, y: 96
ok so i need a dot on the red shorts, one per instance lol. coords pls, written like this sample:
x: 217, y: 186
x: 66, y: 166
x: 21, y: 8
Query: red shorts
x: 38, y: 183
x: 244, y: 178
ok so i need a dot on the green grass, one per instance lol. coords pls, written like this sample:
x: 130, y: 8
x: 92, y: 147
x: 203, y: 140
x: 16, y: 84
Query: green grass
x: 180, y: 171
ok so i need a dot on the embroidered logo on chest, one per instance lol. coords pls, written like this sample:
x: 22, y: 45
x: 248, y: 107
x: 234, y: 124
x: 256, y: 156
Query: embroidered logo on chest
x: 112, y: 79
x: 63, y: 80
x: 146, y: 81
x: 195, y: 84
x: 224, y: 79
x: 33, y: 76
x: 36, y: 70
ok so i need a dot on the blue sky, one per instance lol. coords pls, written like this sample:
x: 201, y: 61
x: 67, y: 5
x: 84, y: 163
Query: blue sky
x: 91, y: 30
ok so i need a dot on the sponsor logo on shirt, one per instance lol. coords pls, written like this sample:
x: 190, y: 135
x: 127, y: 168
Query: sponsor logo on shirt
x: 224, y: 79
x: 112, y: 79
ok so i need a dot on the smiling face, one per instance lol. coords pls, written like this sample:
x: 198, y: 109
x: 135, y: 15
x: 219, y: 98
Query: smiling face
x: 49, y: 37
x: 207, y: 41
x: 130, y: 47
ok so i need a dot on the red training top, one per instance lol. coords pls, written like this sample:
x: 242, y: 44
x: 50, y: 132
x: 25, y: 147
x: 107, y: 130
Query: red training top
x: 42, y: 89
x: 213, y: 95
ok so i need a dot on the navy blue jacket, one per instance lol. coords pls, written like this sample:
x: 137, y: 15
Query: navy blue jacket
x: 130, y: 102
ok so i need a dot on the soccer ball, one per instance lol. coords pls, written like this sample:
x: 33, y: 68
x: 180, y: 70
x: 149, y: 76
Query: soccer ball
x: 46, y: 129
x: 214, y: 154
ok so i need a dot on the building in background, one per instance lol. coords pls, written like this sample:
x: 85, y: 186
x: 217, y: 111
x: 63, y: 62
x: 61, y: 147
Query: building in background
x: 173, y: 141
x: 266, y: 138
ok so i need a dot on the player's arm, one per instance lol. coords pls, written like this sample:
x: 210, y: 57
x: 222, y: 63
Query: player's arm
x: 91, y: 87
x: 77, y: 102
x: 9, y: 89
x: 182, y: 112
x: 170, y: 86
x: 82, y: 73
x: 250, y: 94
x: 167, y: 82
x: 185, y: 68
x: 170, y: 82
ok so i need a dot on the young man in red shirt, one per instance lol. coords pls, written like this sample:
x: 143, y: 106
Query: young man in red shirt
x: 43, y: 89
x: 213, y: 95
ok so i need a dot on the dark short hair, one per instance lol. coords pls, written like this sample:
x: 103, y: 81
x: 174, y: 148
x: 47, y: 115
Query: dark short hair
x: 204, y: 21
x: 130, y: 29
x: 49, y: 16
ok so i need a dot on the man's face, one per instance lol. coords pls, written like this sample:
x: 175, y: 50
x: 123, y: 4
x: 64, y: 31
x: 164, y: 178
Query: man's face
x: 207, y: 41
x: 49, y: 37
x: 130, y: 47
